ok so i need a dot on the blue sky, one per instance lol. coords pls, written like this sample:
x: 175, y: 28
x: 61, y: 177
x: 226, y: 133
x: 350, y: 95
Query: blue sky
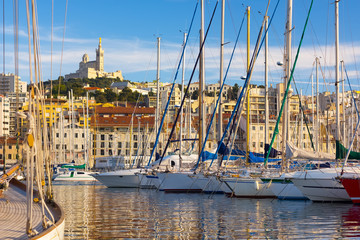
x: 129, y: 29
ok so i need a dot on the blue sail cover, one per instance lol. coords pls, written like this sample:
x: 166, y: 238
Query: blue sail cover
x: 210, y: 156
x: 254, y: 157
x: 257, y: 159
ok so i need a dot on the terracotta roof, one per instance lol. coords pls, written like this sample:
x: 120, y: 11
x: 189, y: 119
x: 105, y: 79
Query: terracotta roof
x: 92, y: 88
x: 124, y: 110
x: 10, y: 140
x: 121, y: 121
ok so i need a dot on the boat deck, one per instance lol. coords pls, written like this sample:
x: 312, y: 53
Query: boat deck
x: 13, y: 214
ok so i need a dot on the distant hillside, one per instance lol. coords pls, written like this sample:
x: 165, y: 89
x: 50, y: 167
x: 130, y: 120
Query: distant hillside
x: 77, y: 85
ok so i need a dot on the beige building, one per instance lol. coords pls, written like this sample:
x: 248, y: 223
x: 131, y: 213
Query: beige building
x: 93, y: 69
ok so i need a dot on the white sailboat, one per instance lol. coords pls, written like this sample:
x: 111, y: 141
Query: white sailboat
x: 323, y: 184
x: 124, y: 178
x: 75, y: 175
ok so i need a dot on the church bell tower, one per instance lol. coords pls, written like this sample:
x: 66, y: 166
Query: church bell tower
x: 99, y: 58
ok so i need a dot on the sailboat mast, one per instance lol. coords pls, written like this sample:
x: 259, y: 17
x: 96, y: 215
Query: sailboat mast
x: 317, y: 106
x: 248, y: 90
x: 301, y: 124
x: 182, y: 95
x: 337, y: 136
x: 201, y: 82
x: 220, y: 117
x: 287, y: 56
x: 343, y: 100
x: 157, y: 112
x: 266, y: 84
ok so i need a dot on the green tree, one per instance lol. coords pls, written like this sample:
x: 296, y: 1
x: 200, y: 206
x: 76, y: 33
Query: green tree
x: 110, y: 95
x: 195, y: 94
x: 232, y: 92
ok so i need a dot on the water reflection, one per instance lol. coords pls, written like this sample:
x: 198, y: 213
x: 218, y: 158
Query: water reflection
x: 97, y: 212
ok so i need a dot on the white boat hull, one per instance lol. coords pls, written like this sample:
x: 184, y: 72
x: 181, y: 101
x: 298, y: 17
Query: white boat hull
x: 286, y: 191
x: 248, y: 188
x: 179, y: 182
x: 322, y: 190
x: 74, y: 176
x: 120, y: 179
x: 149, y: 181
x: 321, y: 185
x: 211, y: 184
x: 283, y: 188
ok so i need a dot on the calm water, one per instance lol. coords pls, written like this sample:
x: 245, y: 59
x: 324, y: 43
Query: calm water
x: 97, y: 212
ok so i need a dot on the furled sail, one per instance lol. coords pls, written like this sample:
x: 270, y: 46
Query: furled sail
x: 293, y: 152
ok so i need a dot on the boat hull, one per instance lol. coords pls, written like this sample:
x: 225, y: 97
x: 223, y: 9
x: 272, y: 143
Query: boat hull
x: 179, y: 183
x: 352, y: 187
x: 323, y: 185
x: 211, y: 184
x: 149, y: 181
x: 119, y: 179
x: 248, y: 188
x: 74, y: 176
x: 284, y: 189
x: 322, y: 190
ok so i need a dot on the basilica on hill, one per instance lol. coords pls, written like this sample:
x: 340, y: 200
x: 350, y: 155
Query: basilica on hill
x: 93, y: 69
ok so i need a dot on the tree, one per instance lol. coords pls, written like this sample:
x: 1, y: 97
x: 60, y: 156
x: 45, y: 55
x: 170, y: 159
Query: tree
x: 232, y: 92
x: 110, y: 95
x: 195, y: 94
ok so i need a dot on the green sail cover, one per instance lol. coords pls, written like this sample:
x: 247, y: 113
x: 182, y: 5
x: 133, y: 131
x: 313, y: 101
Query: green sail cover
x: 341, y: 152
x: 75, y: 166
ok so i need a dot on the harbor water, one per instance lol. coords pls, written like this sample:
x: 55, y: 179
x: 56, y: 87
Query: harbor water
x: 93, y: 211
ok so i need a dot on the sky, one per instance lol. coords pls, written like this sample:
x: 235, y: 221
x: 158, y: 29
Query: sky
x: 129, y: 30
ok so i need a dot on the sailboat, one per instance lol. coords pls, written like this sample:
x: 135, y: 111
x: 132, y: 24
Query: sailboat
x: 324, y: 184
x: 246, y: 182
x: 27, y: 210
x: 75, y: 173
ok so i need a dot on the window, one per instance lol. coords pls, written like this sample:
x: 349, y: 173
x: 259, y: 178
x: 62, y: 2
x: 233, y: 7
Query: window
x: 119, y: 144
x: 119, y: 151
x: 76, y: 146
x: 9, y: 156
x: 102, y: 137
x: 261, y: 128
x: 76, y: 135
x: 102, y: 152
x: 135, y: 145
x: 135, y: 138
x: 83, y: 135
x: 110, y: 152
x: 110, y: 144
x: 65, y: 135
x: 10, y: 147
x: 57, y: 146
x: 57, y: 135
x: 261, y: 144
x: 253, y: 128
x: 253, y: 144
x: 102, y: 144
